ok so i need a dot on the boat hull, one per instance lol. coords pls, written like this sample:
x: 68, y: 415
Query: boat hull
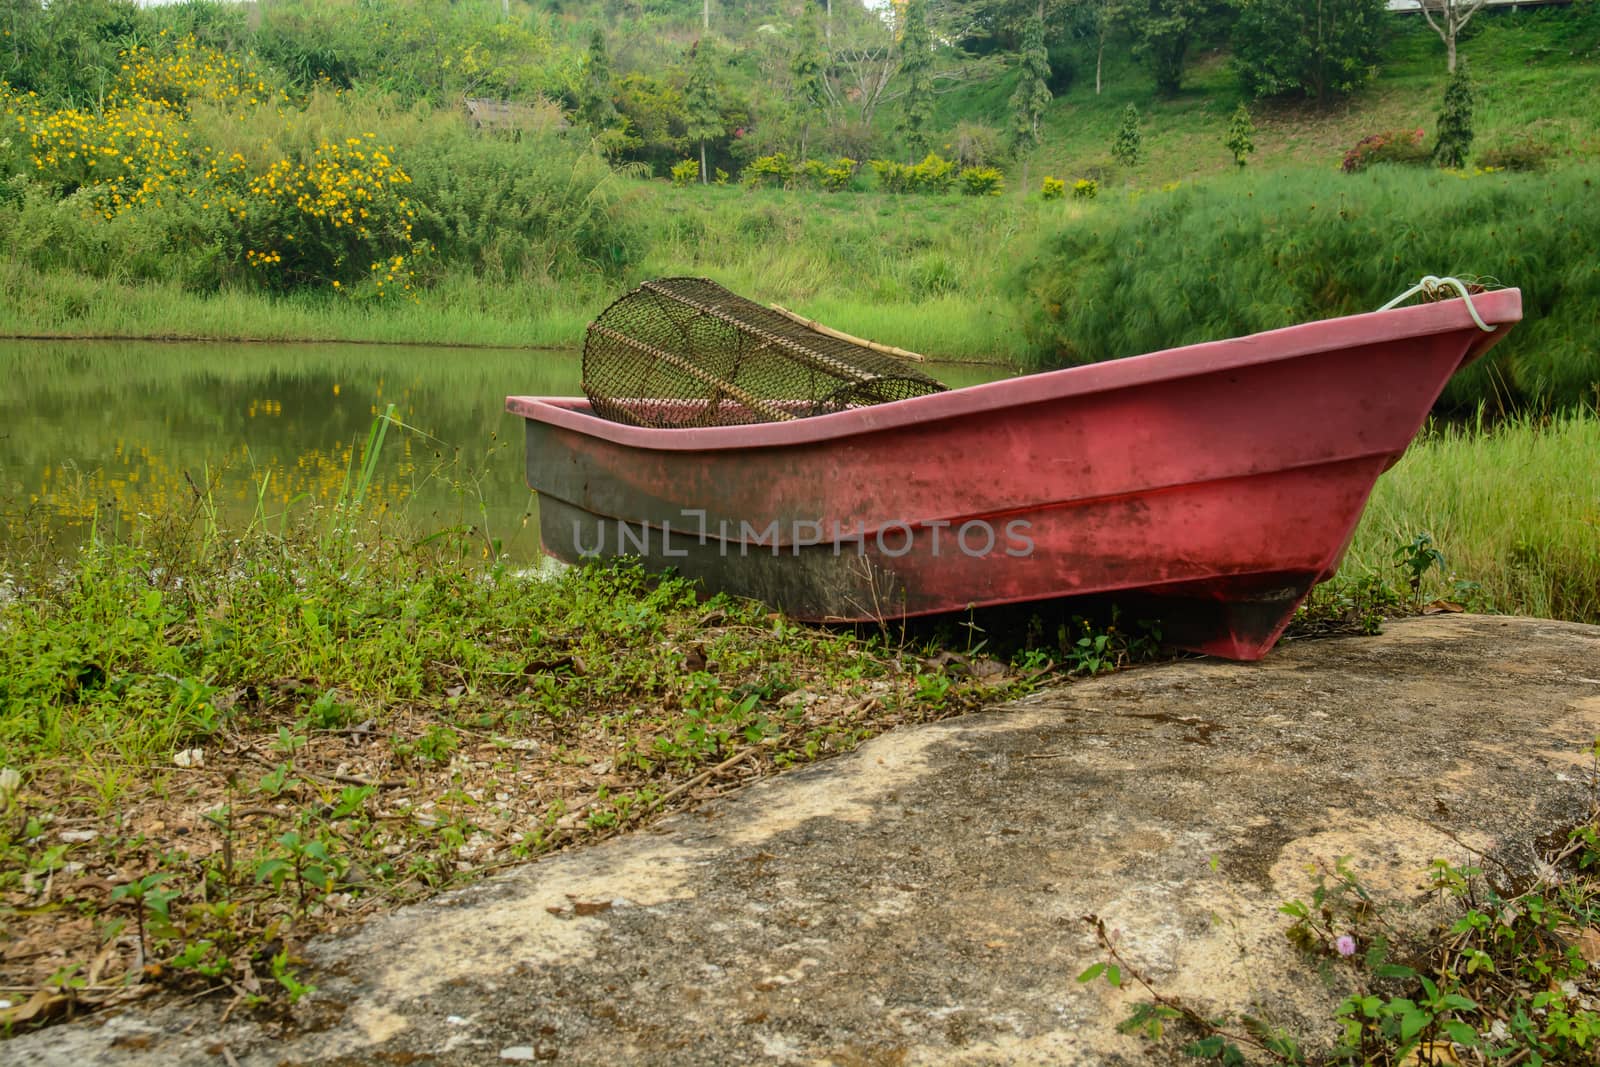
x: 1212, y: 485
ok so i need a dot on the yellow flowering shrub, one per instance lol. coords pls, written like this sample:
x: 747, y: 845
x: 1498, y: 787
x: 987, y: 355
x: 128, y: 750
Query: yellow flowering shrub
x: 126, y: 155
x: 182, y: 69
x: 338, y: 219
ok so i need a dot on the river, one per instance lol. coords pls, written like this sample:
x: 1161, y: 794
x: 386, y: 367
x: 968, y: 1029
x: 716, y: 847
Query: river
x: 104, y: 431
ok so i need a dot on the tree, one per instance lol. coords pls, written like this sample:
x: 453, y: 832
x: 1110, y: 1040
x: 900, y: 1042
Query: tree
x: 1103, y: 15
x: 1455, y: 121
x: 808, y: 72
x: 1453, y: 16
x: 1129, y: 142
x: 916, y: 67
x: 700, y: 98
x: 597, y: 106
x: 1033, y: 90
x: 1315, y: 48
x: 1163, y: 31
x: 1241, y: 135
x: 862, y: 60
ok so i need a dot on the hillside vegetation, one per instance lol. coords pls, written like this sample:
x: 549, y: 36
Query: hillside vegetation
x: 1006, y: 186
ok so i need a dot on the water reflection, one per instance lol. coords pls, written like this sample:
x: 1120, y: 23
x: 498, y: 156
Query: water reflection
x: 109, y: 431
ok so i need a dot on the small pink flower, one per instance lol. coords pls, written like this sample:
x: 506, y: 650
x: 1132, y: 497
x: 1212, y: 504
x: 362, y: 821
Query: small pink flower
x: 1345, y: 945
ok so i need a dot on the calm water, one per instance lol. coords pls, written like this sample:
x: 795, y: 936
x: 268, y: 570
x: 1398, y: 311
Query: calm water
x: 113, y: 429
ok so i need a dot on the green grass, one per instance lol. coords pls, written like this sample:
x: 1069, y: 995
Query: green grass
x: 933, y: 274
x: 914, y: 271
x: 459, y: 312
x: 1514, y: 507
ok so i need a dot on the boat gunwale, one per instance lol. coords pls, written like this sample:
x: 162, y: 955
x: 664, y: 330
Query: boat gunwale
x: 1501, y: 308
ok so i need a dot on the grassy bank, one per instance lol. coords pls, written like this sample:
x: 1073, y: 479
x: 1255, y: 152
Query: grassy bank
x: 460, y: 312
x: 919, y: 273
x: 210, y: 194
x: 216, y: 742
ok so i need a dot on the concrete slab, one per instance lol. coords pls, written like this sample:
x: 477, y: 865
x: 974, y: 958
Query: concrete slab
x: 922, y: 900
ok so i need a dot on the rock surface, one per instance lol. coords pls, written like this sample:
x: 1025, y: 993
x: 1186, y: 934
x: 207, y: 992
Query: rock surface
x: 922, y: 900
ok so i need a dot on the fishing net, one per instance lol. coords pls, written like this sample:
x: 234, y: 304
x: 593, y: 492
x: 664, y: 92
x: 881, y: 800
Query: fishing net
x: 680, y: 352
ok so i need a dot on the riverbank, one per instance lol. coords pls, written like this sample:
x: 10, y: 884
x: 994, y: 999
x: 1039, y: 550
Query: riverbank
x: 459, y: 313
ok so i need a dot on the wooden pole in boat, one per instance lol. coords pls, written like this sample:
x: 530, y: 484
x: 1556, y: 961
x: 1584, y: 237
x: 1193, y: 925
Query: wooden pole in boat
x: 840, y: 335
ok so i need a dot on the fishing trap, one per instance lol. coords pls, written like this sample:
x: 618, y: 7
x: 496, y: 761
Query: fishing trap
x: 685, y: 352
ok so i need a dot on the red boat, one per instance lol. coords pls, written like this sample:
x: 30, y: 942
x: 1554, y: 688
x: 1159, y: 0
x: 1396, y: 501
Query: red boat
x: 1209, y: 487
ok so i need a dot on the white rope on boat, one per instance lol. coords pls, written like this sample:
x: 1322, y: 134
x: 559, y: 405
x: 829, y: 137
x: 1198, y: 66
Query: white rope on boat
x: 1430, y: 284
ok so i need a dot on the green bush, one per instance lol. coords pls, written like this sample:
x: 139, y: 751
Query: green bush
x: 982, y: 181
x: 1454, y: 138
x: 1085, y: 189
x: 686, y: 172
x: 838, y: 175
x: 892, y: 177
x: 1528, y: 152
x: 974, y: 144
x: 1240, y: 138
x: 933, y: 175
x: 1052, y: 188
x: 1238, y: 255
x: 776, y: 169
x: 518, y: 208
x: 1128, y: 145
x: 1317, y: 51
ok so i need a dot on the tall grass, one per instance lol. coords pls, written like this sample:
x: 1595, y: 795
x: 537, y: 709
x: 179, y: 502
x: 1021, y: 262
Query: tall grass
x: 1514, y: 507
x: 459, y: 310
x: 914, y: 271
x: 1234, y: 256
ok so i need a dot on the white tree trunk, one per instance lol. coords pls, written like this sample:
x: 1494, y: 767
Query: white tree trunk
x: 705, y: 179
x: 1453, y: 18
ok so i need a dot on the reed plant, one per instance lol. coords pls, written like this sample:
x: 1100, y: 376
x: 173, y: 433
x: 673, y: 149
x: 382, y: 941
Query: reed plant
x: 1240, y: 254
x: 1513, y: 506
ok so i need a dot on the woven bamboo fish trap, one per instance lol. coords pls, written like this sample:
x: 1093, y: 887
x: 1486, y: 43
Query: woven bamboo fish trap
x: 683, y: 352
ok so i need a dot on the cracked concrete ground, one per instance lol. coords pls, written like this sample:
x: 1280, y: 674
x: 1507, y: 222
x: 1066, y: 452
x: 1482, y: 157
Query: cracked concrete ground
x: 922, y: 899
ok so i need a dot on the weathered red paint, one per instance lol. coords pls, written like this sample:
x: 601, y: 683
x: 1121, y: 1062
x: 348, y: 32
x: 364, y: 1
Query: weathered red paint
x: 1212, y: 485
